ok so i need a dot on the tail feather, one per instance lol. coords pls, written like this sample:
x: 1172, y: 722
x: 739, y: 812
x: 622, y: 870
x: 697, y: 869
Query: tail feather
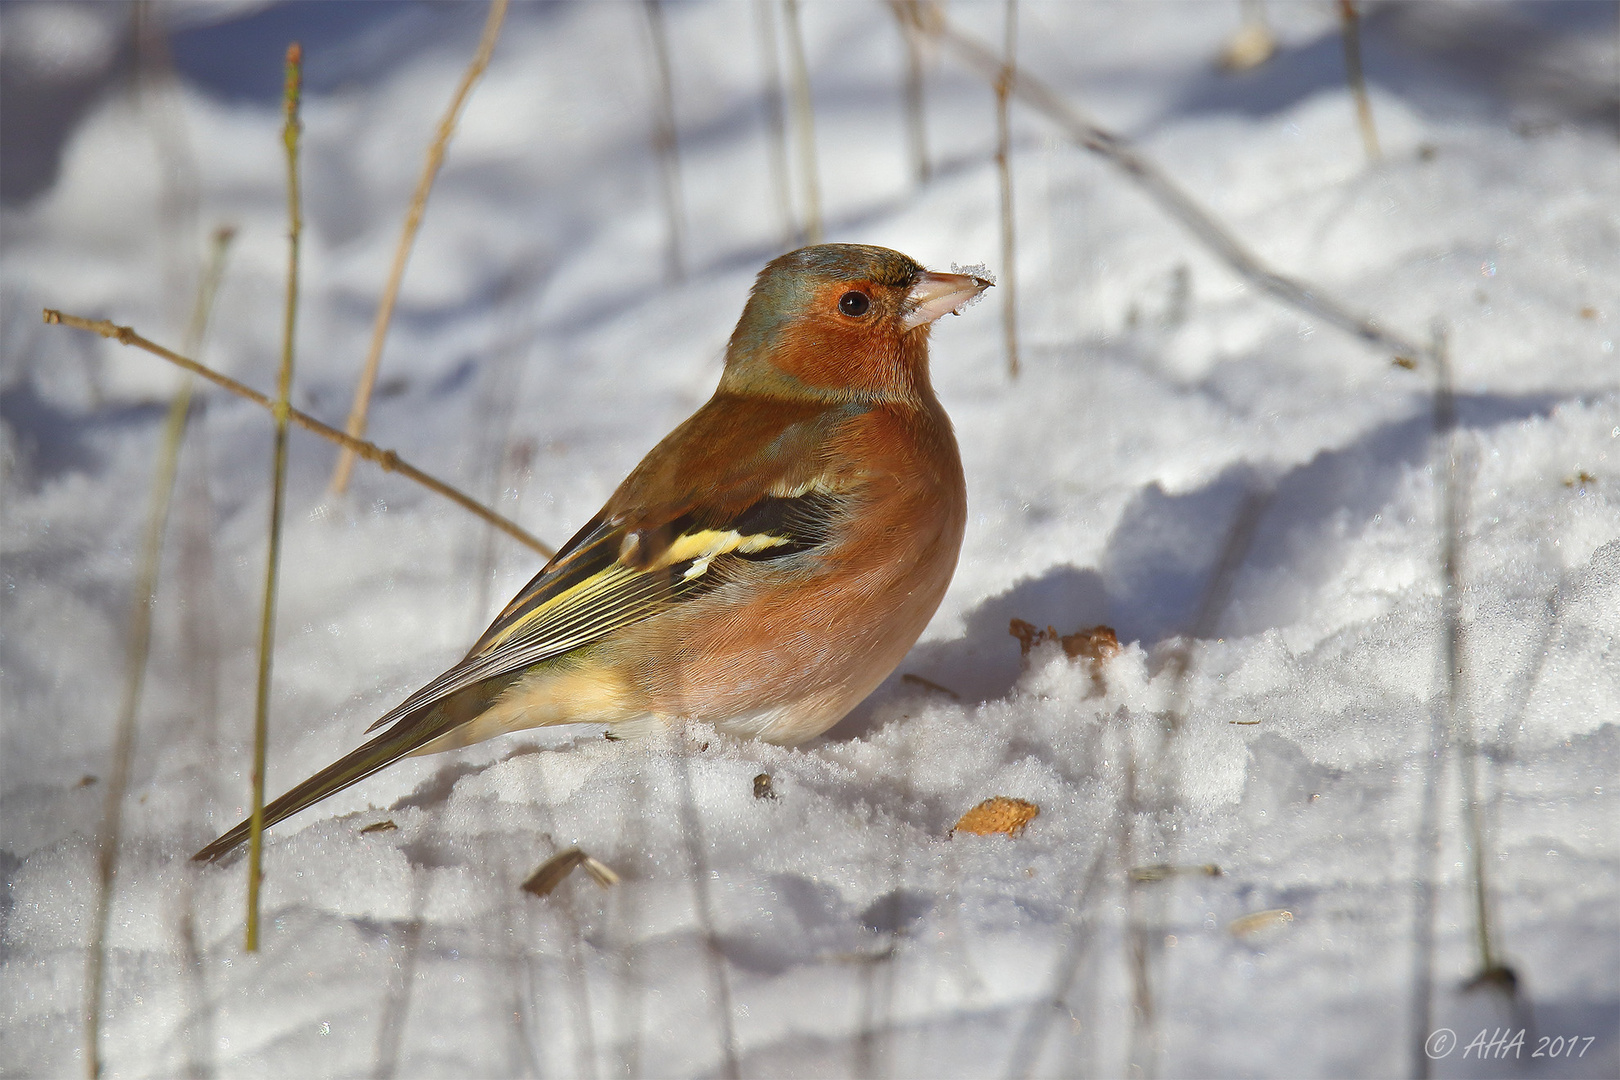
x: 409, y: 733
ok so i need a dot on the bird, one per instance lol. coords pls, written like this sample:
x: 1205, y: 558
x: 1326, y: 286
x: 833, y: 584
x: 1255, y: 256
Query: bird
x: 762, y: 570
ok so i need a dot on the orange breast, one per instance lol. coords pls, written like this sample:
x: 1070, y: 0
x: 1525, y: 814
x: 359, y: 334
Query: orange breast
x: 804, y: 640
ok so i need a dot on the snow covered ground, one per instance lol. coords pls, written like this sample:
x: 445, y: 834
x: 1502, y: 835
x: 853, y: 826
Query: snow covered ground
x: 838, y: 928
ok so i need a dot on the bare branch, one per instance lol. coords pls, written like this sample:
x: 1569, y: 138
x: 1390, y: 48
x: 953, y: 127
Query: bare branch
x: 387, y: 459
x: 1085, y: 132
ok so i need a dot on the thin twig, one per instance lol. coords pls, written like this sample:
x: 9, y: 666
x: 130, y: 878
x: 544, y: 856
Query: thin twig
x: 775, y: 117
x: 388, y: 460
x: 396, y: 1007
x: 879, y: 969
x: 1503, y: 751
x: 157, y: 95
x: 1157, y: 185
x: 278, y: 493
x: 1350, y: 33
x: 140, y: 647
x: 1421, y: 1007
x: 407, y: 240
x: 176, y: 208
x: 1450, y: 522
x: 509, y: 921
x: 664, y: 141
x: 626, y: 922
x: 1459, y: 721
x: 508, y: 462
x: 916, y: 117
x: 1009, y: 242
x: 544, y: 882
x: 1146, y: 895
x: 1217, y: 593
x: 805, y: 125
x: 1032, y: 1037
x: 703, y: 902
x: 1144, y: 909
x: 1142, y: 1049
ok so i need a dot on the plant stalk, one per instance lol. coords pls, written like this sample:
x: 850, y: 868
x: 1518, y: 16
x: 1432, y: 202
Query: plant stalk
x: 407, y: 240
x: 278, y: 493
x: 387, y: 460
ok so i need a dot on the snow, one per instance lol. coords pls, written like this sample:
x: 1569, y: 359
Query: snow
x: 538, y: 352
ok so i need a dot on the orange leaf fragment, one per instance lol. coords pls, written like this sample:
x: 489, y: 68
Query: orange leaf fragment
x: 997, y: 815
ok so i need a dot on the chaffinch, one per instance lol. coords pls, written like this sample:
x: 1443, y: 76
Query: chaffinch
x: 763, y: 568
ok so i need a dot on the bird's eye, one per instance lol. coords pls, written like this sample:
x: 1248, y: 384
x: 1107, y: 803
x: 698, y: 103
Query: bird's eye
x: 854, y: 303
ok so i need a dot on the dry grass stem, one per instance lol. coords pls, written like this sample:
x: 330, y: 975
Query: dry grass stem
x: 386, y: 459
x: 1166, y: 871
x: 1443, y: 731
x: 396, y: 1005
x: 1421, y: 1006
x: 291, y: 129
x: 1157, y: 184
x: 1350, y: 33
x: 775, y: 117
x: 1459, y: 720
x: 140, y: 646
x: 1049, y: 1007
x: 664, y: 142
x: 719, y: 995
x: 1147, y: 789
x: 1009, y: 239
x: 407, y: 239
x: 1150, y: 791
x: 804, y: 115
x: 929, y: 684
x: 880, y: 969
x: 916, y: 101
x: 157, y: 95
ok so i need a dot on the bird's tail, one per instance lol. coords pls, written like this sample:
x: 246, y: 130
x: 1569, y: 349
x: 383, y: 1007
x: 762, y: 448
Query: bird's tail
x: 411, y: 732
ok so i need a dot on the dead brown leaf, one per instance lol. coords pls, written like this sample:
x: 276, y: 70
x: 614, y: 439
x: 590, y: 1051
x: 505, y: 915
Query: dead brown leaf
x: 1097, y: 645
x: 559, y: 866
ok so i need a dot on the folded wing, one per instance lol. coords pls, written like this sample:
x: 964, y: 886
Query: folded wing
x: 608, y: 577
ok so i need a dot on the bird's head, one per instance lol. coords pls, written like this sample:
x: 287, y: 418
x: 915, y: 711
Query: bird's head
x: 842, y: 321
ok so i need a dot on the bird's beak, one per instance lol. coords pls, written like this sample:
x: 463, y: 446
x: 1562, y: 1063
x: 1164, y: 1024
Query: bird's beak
x: 935, y: 295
